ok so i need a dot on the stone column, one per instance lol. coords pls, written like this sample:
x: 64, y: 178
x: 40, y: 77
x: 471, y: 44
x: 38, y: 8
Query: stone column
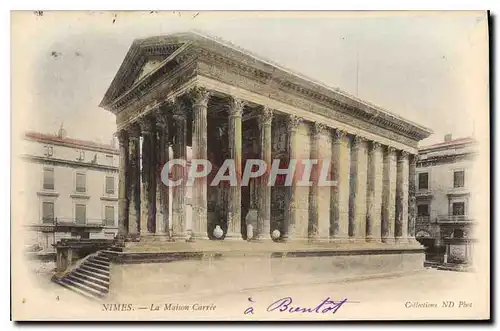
x: 179, y: 192
x: 412, y: 204
x: 122, y: 185
x: 235, y: 149
x: 389, y: 195
x: 134, y: 187
x: 339, y: 208
x: 164, y: 190
x: 146, y: 130
x: 200, y: 98
x: 293, y: 123
x: 264, y: 216
x: 401, y: 228
x: 153, y: 175
x: 317, y: 128
x: 357, y: 197
x: 374, y: 193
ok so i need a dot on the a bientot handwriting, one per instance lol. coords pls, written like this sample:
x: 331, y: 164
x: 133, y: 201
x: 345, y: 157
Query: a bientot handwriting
x: 287, y: 305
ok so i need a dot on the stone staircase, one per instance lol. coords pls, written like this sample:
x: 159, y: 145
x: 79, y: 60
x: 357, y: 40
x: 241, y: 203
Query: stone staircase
x: 90, y: 278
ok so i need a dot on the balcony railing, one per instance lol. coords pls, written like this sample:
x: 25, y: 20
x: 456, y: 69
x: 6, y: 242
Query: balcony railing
x: 54, y: 224
x: 453, y: 218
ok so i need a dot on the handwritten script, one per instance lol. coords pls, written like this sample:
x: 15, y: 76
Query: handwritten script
x: 326, y: 306
x: 287, y: 305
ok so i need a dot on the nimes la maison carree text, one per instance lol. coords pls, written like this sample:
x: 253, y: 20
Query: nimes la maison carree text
x: 158, y: 307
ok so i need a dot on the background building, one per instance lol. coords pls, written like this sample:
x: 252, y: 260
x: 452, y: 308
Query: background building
x: 445, y: 210
x: 71, y: 188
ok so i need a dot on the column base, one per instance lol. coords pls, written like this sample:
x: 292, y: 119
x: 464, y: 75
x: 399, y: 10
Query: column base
x: 401, y: 240
x: 133, y: 237
x: 339, y: 240
x: 373, y: 239
x: 390, y: 241
x: 199, y: 236
x: 233, y: 237
x: 357, y: 241
x: 262, y: 240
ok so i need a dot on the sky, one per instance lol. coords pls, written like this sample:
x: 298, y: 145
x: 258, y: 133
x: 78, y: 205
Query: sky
x: 428, y: 67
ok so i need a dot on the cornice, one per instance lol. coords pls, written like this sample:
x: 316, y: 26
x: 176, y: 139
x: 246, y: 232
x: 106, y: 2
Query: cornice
x: 201, y: 49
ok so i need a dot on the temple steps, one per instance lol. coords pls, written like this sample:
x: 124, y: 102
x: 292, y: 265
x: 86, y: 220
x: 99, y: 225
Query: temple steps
x: 90, y: 279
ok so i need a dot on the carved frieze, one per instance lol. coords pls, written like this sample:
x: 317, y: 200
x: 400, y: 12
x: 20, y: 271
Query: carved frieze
x: 234, y: 68
x: 233, y: 76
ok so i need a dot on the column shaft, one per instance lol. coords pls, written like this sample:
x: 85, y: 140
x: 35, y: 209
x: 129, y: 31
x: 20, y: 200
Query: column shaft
x: 199, y: 151
x: 179, y: 192
x: 412, y: 207
x: 339, y: 207
x: 264, y: 216
x: 374, y: 193
x: 134, y: 182
x: 122, y: 185
x: 145, y: 174
x: 357, y: 196
x: 235, y: 149
x: 401, y: 228
x: 291, y: 199
x: 163, y: 158
x: 314, y: 191
x: 389, y: 195
x: 153, y: 175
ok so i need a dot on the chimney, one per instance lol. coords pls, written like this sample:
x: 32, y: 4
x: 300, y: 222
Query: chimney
x: 447, y: 137
x: 61, y: 133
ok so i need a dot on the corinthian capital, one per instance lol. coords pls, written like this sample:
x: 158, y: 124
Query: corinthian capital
x: 413, y: 160
x: 403, y: 156
x: 134, y: 131
x: 357, y: 141
x: 236, y: 107
x: 146, y: 126
x: 122, y: 137
x: 179, y: 109
x: 293, y: 122
x: 339, y: 134
x: 317, y: 128
x: 200, y: 96
x: 391, y: 150
x: 374, y: 146
x: 266, y: 116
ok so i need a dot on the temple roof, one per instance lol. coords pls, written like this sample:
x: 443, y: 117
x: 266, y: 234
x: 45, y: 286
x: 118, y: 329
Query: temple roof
x: 148, y: 54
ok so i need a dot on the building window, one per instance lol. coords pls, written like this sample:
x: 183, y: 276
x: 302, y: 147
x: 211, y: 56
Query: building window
x: 423, y: 181
x: 47, y: 212
x: 110, y: 185
x: 48, y: 151
x: 458, y: 208
x: 109, y: 160
x: 48, y: 178
x: 109, y: 216
x: 458, y: 178
x: 81, y: 156
x: 423, y: 210
x: 81, y: 183
x: 80, y: 214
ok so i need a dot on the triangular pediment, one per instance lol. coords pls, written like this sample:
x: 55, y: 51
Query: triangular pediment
x: 150, y: 65
x: 143, y: 57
